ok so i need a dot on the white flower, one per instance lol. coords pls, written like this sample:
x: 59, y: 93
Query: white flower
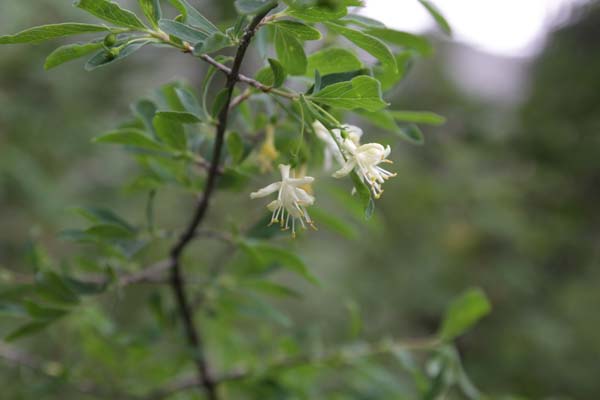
x: 291, y: 199
x: 365, y: 160
x: 333, y: 139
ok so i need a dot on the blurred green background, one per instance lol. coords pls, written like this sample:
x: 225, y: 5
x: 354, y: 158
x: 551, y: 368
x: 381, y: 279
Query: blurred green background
x: 505, y: 196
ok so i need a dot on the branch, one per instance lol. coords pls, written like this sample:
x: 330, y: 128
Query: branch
x: 244, y: 79
x: 194, y: 338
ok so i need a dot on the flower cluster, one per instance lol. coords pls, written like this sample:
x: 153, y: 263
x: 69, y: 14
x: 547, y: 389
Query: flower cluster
x: 291, y: 200
x: 343, y: 146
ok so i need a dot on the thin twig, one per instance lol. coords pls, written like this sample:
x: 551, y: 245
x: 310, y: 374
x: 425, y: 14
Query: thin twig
x: 194, y: 337
x: 245, y: 95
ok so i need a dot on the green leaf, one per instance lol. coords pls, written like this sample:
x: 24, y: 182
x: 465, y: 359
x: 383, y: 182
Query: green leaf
x: 290, y: 53
x: 284, y: 258
x: 52, y: 287
x: 271, y: 288
x: 412, y: 133
x: 437, y: 16
x: 389, y: 77
x: 84, y: 288
x: 39, y: 312
x: 152, y: 11
x: 330, y: 79
x: 193, y: 17
x: 361, y: 92
x: 99, y: 215
x: 368, y: 43
x: 403, y: 39
x: 418, y: 117
x: 70, y: 52
x: 48, y: 32
x: 181, y: 117
x: 385, y: 120
x: 235, y: 147
x: 111, y: 12
x: 463, y: 313
x: 332, y: 222
x: 104, y: 57
x: 332, y: 60
x: 279, y: 73
x: 189, y: 101
x: 170, y: 132
x: 253, y: 6
x: 26, y: 330
x: 317, y: 13
x: 130, y: 137
x: 220, y: 101
x: 364, y: 195
x: 299, y: 30
x: 109, y: 231
x: 215, y: 42
x: 363, y: 21
x: 145, y: 109
x: 182, y: 31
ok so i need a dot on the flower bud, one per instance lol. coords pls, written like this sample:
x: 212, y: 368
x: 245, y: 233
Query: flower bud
x: 110, y: 40
x: 113, y: 53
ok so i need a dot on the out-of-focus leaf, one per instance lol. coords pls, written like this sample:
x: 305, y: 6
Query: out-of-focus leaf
x: 330, y: 79
x: 364, y: 195
x: 333, y: 223
x: 403, y: 39
x: 130, y: 137
x: 363, y: 21
x: 290, y: 52
x: 52, y: 287
x: 152, y: 11
x: 109, y: 231
x: 271, y: 288
x: 48, y: 32
x: 70, y: 52
x: 279, y: 74
x: 418, y: 117
x: 178, y: 116
x: 98, y: 215
x: 193, y: 17
x: 26, y: 330
x: 268, y: 254
x: 170, y: 132
x: 361, y: 92
x: 333, y: 60
x: 299, y: 30
x: 253, y: 6
x: 215, y: 42
x: 385, y: 120
x: 317, y: 13
x: 389, y: 77
x: 220, y: 101
x: 437, y: 15
x: 43, y: 313
x: 182, y: 31
x: 235, y: 146
x: 104, y: 57
x: 111, y: 12
x: 463, y: 313
x: 368, y: 43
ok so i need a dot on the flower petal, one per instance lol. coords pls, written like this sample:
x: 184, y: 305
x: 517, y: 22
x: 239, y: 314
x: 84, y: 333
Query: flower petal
x: 267, y: 190
x: 346, y: 169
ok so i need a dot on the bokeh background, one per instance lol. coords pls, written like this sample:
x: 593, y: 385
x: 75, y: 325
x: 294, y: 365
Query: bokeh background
x: 504, y: 196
